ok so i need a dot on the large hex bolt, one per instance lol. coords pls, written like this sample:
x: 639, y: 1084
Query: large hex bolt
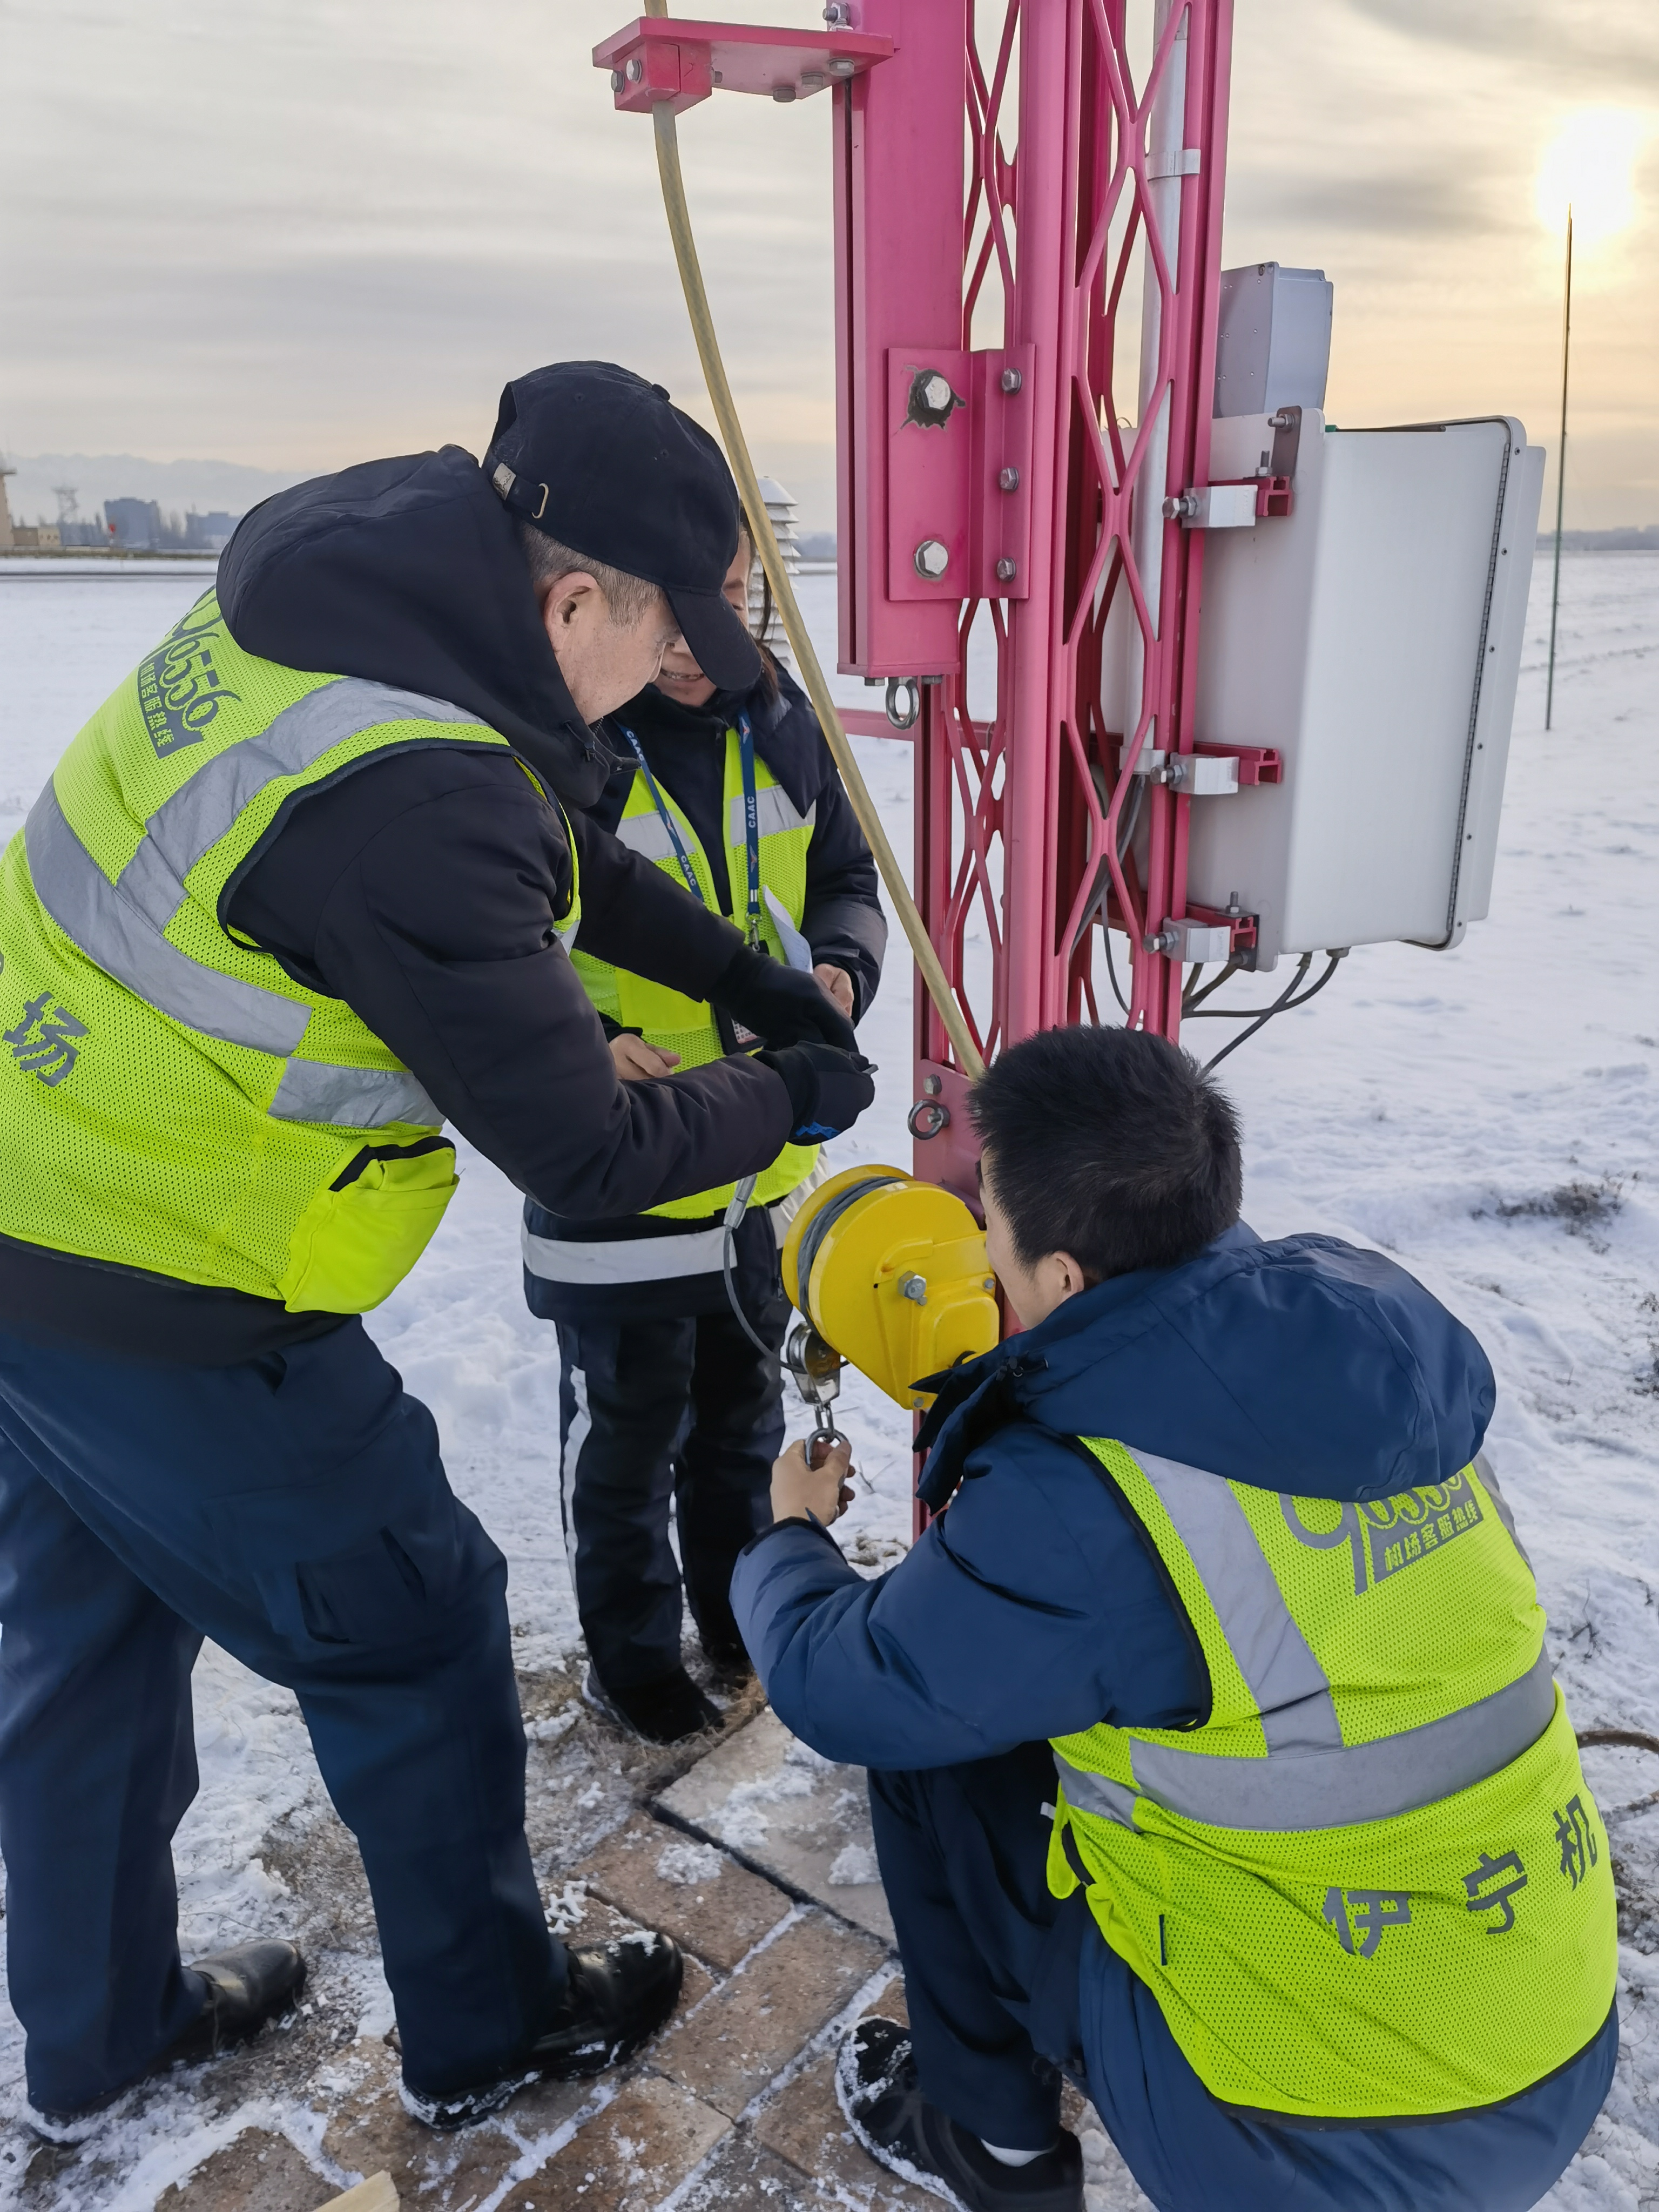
x: 931, y: 560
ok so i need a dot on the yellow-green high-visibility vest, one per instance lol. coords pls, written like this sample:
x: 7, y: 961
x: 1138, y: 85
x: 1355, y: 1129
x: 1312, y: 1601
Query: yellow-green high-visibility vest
x: 1371, y: 1884
x: 667, y: 1019
x: 170, y: 1098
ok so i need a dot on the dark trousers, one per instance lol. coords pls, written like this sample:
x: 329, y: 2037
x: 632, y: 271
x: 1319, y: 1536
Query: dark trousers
x: 1007, y: 1987
x: 653, y: 1415
x: 296, y: 1511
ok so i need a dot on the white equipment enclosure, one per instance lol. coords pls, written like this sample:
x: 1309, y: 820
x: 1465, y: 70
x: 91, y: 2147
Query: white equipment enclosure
x: 1373, y: 636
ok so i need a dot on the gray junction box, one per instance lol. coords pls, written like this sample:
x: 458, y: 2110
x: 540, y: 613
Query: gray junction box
x: 1272, y: 339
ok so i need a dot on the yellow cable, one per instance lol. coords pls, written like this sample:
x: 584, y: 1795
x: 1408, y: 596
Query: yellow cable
x: 737, y: 448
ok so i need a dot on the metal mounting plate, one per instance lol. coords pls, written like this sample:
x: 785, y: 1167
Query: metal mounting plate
x: 683, y: 61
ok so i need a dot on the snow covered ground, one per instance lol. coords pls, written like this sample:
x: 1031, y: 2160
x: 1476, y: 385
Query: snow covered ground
x: 1488, y: 1117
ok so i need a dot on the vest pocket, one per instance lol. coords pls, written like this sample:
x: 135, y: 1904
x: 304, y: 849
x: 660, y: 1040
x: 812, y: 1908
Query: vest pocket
x: 360, y: 1236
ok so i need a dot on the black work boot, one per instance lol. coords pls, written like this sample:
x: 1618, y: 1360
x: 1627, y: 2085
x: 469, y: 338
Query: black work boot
x: 729, y: 1657
x: 244, y: 1989
x: 618, y: 1995
x: 876, y: 2086
x: 666, y: 1709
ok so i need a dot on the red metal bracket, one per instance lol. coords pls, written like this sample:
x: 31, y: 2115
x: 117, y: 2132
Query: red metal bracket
x: 1274, y: 496
x: 1243, y: 925
x: 958, y: 473
x: 1257, y: 763
x: 667, y: 57
x: 944, y: 1130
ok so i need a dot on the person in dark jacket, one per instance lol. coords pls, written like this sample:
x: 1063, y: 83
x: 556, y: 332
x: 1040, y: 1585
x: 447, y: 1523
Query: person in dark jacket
x: 666, y: 1398
x: 1216, y: 1758
x: 298, y: 894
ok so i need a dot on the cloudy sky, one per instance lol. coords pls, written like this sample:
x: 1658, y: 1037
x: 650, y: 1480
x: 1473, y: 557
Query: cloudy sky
x: 293, y: 235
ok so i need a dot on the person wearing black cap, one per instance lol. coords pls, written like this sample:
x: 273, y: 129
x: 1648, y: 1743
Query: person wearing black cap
x: 300, y: 892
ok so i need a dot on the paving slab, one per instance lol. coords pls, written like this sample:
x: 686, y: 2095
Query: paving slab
x: 743, y: 2176
x: 804, y: 2125
x: 371, y: 2133
x: 792, y: 1813
x: 731, y: 2045
x: 257, y: 2172
x: 627, y: 2157
x: 693, y: 1891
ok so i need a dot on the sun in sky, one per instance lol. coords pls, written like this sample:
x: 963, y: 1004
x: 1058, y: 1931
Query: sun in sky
x: 1590, y: 167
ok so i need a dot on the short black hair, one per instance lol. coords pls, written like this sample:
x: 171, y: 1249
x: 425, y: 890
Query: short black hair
x: 1110, y: 1144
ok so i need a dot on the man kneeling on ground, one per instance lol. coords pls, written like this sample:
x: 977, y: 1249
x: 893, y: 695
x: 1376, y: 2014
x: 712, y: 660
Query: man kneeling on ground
x: 1216, y: 1757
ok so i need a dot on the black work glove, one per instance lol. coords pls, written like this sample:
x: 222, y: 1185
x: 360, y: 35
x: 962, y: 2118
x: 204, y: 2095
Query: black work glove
x: 828, y: 1088
x: 784, y: 1005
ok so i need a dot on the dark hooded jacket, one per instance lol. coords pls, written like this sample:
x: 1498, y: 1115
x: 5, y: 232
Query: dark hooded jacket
x: 421, y: 888
x: 1036, y: 1606
x: 841, y: 920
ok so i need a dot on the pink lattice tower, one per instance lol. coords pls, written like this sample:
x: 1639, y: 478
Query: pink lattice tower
x: 986, y: 294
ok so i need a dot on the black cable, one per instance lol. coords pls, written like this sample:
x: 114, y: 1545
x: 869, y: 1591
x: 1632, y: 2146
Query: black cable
x: 734, y: 1213
x: 1126, y: 828
x: 1111, y: 966
x: 1247, y: 1013
x: 1190, y: 998
x: 1280, y: 1006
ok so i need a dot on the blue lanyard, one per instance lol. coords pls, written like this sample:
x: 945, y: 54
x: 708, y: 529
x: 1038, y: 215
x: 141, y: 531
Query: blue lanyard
x: 666, y: 818
x: 750, y: 823
x: 751, y: 830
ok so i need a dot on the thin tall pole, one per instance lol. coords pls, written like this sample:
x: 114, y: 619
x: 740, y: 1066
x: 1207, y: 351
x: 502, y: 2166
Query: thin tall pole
x: 1561, y: 477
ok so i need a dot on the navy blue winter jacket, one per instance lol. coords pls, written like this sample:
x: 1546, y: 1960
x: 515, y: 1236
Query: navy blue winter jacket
x: 1036, y: 1605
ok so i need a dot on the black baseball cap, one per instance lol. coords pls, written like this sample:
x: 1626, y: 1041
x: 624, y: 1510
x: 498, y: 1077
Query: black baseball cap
x: 604, y: 462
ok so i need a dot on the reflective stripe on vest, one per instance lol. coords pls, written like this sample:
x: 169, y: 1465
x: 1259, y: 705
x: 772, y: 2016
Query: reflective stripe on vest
x: 648, y: 825
x: 180, y: 832
x: 119, y: 924
x: 777, y: 814
x: 647, y: 834
x: 1310, y: 1777
x: 1297, y: 1787
x: 125, y: 943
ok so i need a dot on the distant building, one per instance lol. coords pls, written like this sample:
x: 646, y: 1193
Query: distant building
x: 136, y: 524
x: 73, y: 527
x: 36, y: 538
x: 766, y: 620
x: 5, y: 507
x: 210, y: 533
x: 1644, y: 539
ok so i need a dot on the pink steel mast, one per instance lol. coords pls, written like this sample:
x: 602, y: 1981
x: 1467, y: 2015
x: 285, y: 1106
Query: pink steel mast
x: 999, y: 483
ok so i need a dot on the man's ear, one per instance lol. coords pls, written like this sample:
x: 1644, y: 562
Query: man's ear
x: 559, y: 595
x: 1071, y: 1274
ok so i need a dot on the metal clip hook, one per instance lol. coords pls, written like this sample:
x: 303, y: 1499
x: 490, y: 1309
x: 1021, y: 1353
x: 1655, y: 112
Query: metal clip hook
x: 903, y: 718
